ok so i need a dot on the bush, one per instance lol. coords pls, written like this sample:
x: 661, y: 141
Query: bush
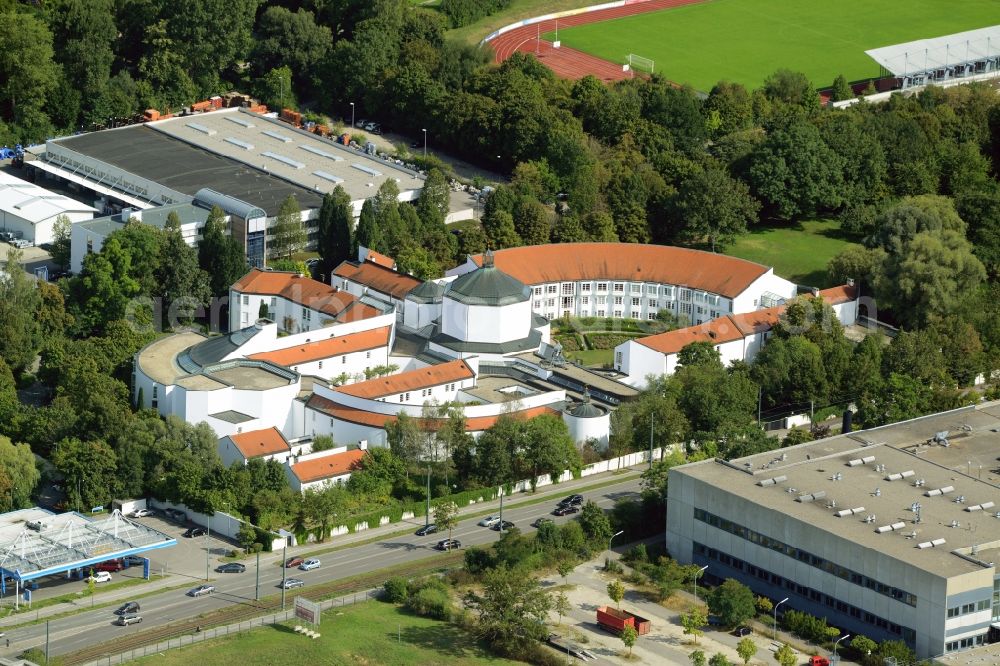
x: 612, y: 566
x: 429, y: 597
x: 395, y: 590
x: 464, y: 12
x: 257, y: 547
x: 478, y: 560
x: 607, y: 340
x: 637, y: 554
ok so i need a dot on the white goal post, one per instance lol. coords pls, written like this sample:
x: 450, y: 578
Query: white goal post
x: 640, y: 63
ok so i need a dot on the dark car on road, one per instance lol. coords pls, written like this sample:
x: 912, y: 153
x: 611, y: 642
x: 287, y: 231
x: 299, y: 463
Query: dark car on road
x: 134, y: 560
x: 194, y: 532
x: 175, y: 514
x: 232, y: 567
x: 502, y: 525
x: 201, y: 590
x: 565, y: 510
x: 448, y: 544
x: 293, y: 562
x: 427, y: 529
x: 572, y: 500
x: 127, y: 608
x: 742, y: 631
x: 541, y: 521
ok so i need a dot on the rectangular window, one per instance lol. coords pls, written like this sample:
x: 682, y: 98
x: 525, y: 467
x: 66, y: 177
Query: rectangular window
x: 619, y: 286
x: 699, y: 296
x: 651, y: 315
x: 306, y: 314
x: 538, y: 304
x: 686, y: 295
x: 402, y: 396
x: 567, y: 301
x: 274, y: 304
x: 550, y: 302
x: 601, y: 300
x: 619, y: 300
x: 602, y: 286
x: 668, y: 293
x: 321, y: 365
x: 368, y: 354
x: 407, y: 395
x: 567, y: 288
x: 654, y: 304
x: 550, y: 289
x: 246, y: 300
x: 600, y: 313
x: 618, y: 358
x: 585, y: 286
x: 618, y: 313
x: 538, y: 291
x: 636, y: 289
x: 685, y: 308
x: 343, y: 359
x: 651, y: 289
x: 635, y: 302
x: 585, y: 300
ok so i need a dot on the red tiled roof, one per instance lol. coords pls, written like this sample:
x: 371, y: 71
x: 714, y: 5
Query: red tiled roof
x: 377, y: 277
x: 314, y: 351
x: 664, y: 264
x: 302, y: 290
x: 841, y: 294
x: 717, y: 331
x: 357, y: 311
x: 380, y: 259
x: 376, y: 420
x: 432, y: 375
x: 758, y: 321
x: 328, y: 467
x: 257, y: 443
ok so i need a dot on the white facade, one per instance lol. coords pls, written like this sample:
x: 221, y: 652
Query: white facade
x: 31, y: 211
x: 342, y: 477
x: 591, y: 428
x: 483, y: 323
x: 88, y: 237
x: 230, y: 453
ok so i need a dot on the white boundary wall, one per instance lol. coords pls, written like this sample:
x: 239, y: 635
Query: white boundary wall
x: 878, y: 98
x: 555, y: 15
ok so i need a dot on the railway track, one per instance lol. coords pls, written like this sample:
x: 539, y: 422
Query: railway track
x: 265, y: 606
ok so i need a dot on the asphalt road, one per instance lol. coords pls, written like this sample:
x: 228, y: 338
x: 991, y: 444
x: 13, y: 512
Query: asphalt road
x: 88, y: 628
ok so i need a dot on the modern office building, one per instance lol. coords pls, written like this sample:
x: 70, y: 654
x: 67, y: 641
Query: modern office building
x: 893, y: 532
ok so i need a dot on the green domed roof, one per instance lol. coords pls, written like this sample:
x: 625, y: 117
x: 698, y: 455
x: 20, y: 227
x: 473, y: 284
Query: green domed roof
x: 586, y: 409
x: 488, y: 285
x: 428, y: 292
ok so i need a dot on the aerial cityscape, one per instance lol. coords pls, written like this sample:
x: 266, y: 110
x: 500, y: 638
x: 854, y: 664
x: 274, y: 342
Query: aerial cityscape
x: 400, y: 332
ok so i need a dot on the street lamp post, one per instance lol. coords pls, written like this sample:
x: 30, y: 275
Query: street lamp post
x: 836, y: 644
x: 613, y: 537
x: 208, y: 546
x: 284, y: 559
x: 427, y: 516
x: 425, y: 143
x: 501, y: 508
x: 694, y: 581
x: 776, y: 616
x: 352, y: 115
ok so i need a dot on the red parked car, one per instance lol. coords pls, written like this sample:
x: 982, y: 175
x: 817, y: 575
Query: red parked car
x: 293, y: 562
x: 110, y: 565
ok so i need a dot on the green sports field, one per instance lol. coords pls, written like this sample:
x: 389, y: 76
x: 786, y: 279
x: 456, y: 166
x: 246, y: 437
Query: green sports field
x: 746, y: 40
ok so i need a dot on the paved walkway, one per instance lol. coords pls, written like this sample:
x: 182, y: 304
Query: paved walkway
x: 156, y: 585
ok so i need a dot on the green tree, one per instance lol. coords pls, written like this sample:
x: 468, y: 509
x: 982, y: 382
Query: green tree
x: 216, y: 35
x: 561, y: 605
x: 929, y: 276
x: 712, y: 206
x: 27, y: 70
x: 531, y: 222
x: 368, y: 233
x: 617, y: 592
x: 446, y: 517
x: 795, y: 173
x: 697, y: 658
x: 20, y: 332
x: 746, y: 648
x: 184, y: 285
x: 288, y: 233
x: 792, y: 88
x: 861, y: 264
x: 694, y: 622
x: 511, y: 608
x: 219, y: 255
x: 718, y: 659
x: 84, y: 36
x: 732, y: 601
x: 864, y: 646
x: 18, y: 475
x: 500, y: 231
x: 335, y: 240
x: 165, y: 80
x: 731, y: 102
x: 549, y: 447
x: 785, y: 656
x: 899, y: 225
x: 435, y: 199
x: 629, y: 636
x: 274, y: 88
x: 791, y: 370
x: 404, y: 438
x: 89, y: 470
x: 595, y: 523
x: 293, y: 40
x: 841, y: 89
x: 62, y: 229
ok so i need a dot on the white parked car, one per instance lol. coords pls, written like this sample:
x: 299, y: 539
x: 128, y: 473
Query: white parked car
x: 311, y: 563
x: 489, y: 521
x: 142, y: 513
x: 101, y: 577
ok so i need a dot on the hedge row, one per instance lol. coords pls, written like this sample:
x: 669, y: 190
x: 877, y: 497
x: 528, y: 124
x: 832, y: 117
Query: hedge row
x: 464, y: 12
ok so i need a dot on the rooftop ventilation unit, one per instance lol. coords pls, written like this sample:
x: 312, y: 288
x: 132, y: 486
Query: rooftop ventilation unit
x: 870, y: 518
x: 837, y: 477
x: 779, y: 479
x: 907, y: 474
x: 898, y: 526
x: 939, y: 491
x: 328, y: 176
x: 366, y: 169
x: 240, y: 121
x: 855, y: 462
x: 980, y: 507
x: 918, y: 483
x: 277, y: 135
x: 893, y: 477
x: 295, y: 164
x: 805, y: 498
x: 322, y: 153
x: 884, y: 529
x: 201, y: 128
x: 955, y: 523
x: 239, y: 144
x: 925, y: 544
x: 938, y: 542
x: 849, y: 512
x: 868, y: 459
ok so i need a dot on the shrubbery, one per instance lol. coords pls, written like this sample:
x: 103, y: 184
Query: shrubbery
x: 429, y: 597
x: 464, y: 12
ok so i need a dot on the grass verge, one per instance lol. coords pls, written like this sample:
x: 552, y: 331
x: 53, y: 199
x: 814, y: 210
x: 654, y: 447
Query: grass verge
x: 367, y: 633
x: 518, y: 10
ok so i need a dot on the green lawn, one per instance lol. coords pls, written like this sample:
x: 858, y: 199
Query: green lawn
x: 798, y: 252
x: 593, y: 357
x: 367, y: 634
x: 746, y: 40
x: 518, y: 10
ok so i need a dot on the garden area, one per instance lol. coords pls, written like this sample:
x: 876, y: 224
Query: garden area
x: 592, y: 340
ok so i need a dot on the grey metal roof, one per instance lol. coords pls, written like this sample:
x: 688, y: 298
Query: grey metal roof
x: 156, y: 217
x: 215, y: 349
x: 488, y: 286
x: 924, y: 55
x: 187, y: 168
x: 585, y: 409
x: 428, y: 292
x: 510, y: 347
x: 232, y: 416
x: 208, y: 198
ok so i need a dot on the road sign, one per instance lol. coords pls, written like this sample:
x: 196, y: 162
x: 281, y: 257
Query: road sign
x: 308, y: 611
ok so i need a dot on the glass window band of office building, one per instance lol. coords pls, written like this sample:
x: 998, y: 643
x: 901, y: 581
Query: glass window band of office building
x: 806, y: 557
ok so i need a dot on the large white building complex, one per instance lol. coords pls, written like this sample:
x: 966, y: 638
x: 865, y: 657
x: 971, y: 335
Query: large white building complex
x: 893, y: 533
x: 30, y: 212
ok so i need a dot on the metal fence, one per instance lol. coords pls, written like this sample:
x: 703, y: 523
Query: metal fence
x: 221, y: 632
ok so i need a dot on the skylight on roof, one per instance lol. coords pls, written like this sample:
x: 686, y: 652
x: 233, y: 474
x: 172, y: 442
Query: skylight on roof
x: 239, y: 144
x: 240, y: 121
x: 201, y: 128
x: 328, y: 176
x: 277, y: 135
x: 284, y: 160
x: 322, y: 153
x: 366, y: 169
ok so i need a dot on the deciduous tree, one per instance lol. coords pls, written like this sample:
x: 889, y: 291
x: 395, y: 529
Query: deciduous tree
x: 289, y: 234
x: 694, y: 622
x: 617, y: 592
x: 732, y: 601
x: 511, y: 609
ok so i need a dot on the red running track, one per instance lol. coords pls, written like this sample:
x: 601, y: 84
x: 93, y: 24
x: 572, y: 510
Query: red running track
x: 566, y: 62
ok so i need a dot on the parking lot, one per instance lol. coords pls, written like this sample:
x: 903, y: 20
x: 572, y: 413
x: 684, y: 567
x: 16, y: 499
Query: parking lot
x: 188, y: 557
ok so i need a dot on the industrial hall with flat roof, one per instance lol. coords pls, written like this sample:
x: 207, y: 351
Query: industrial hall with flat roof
x: 893, y: 532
